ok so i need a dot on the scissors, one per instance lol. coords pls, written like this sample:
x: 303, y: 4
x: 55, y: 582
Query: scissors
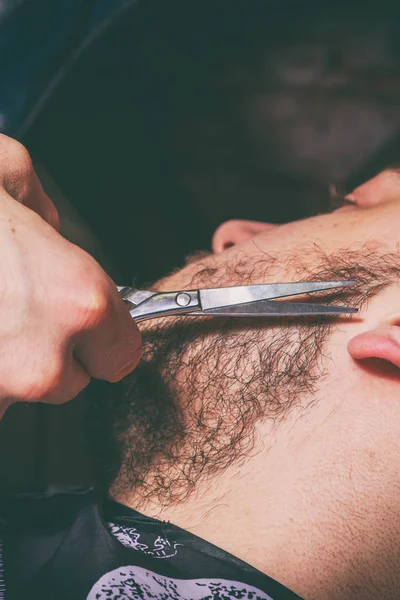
x: 239, y: 301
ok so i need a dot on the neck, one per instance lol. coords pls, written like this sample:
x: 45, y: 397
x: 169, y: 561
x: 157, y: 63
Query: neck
x: 286, y: 512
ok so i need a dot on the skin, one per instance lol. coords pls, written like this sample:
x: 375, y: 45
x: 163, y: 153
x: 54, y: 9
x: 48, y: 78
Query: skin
x: 62, y: 321
x: 318, y: 503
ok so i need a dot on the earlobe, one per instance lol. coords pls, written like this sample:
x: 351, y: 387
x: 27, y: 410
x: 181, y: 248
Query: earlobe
x: 382, y: 342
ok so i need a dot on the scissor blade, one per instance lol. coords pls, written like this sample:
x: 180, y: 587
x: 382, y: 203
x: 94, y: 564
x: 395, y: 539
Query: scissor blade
x: 134, y: 296
x: 267, y: 308
x: 229, y: 296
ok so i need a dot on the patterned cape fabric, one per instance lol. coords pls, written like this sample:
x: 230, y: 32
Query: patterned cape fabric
x: 70, y: 546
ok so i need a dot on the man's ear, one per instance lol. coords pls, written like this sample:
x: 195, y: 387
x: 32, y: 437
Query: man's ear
x: 234, y: 232
x: 382, y: 342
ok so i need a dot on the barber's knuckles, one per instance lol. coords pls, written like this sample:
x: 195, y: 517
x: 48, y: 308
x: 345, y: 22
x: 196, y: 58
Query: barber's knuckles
x: 84, y: 293
x: 44, y: 383
x: 38, y: 366
x: 19, y: 180
x: 47, y: 308
x: 16, y: 169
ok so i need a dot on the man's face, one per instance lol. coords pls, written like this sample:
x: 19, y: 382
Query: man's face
x: 208, y: 390
x: 371, y: 215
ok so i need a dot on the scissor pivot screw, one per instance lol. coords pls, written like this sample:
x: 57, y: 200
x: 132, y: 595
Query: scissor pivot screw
x: 183, y: 299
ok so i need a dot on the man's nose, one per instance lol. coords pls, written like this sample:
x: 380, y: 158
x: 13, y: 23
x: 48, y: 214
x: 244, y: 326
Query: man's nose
x: 384, y: 187
x: 235, y: 232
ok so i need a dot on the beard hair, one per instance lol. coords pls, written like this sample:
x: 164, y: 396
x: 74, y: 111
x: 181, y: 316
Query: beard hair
x: 190, y: 408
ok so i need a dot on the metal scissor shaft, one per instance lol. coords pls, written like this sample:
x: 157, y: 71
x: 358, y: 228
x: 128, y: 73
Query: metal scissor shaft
x: 271, y: 308
x: 239, y: 301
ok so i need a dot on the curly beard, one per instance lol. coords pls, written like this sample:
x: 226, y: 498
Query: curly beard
x: 189, y: 409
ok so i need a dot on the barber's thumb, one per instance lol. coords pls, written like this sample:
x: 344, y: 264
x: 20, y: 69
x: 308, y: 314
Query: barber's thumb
x: 50, y: 214
x: 39, y: 202
x: 126, y: 352
x: 133, y: 347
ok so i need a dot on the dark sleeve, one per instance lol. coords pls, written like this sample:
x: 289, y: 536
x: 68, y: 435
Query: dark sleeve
x: 33, y: 529
x: 40, y: 38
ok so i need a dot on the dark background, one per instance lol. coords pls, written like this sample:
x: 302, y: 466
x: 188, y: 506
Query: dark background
x: 185, y: 114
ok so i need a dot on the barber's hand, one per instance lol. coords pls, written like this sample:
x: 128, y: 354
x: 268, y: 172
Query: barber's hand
x: 61, y: 318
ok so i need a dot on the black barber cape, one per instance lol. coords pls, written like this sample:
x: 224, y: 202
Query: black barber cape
x: 66, y: 547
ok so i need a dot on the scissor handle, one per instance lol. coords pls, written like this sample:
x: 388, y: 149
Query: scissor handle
x: 163, y: 304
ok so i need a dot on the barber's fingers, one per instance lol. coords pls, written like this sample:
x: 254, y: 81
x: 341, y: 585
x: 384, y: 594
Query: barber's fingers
x: 77, y: 379
x: 19, y: 180
x: 38, y: 201
x: 111, y: 348
x: 50, y: 377
x: 67, y: 385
